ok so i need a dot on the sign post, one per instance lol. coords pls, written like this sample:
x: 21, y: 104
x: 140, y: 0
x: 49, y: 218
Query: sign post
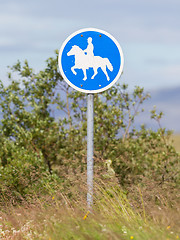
x: 90, y: 61
x: 90, y: 148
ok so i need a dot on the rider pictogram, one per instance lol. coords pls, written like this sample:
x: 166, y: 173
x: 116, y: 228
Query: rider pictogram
x: 90, y: 48
x: 85, y: 59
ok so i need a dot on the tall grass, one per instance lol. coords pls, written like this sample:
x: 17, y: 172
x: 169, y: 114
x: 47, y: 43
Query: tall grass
x: 176, y: 142
x: 57, y: 217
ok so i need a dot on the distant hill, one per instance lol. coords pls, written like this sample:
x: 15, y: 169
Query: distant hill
x: 167, y: 101
x: 171, y: 96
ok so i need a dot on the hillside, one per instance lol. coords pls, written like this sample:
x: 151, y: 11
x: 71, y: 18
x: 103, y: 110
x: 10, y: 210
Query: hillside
x: 176, y: 142
x: 167, y: 101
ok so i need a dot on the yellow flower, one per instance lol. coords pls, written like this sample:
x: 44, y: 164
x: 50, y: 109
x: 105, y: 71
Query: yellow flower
x: 132, y: 237
x: 52, y: 198
x: 177, y: 237
x: 168, y: 227
x: 86, y: 215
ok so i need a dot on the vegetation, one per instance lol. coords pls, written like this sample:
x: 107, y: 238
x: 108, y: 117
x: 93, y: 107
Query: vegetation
x: 113, y: 217
x: 43, y: 163
x: 176, y: 141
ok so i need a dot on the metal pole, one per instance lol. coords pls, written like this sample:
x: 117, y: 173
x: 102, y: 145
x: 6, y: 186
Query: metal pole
x: 90, y: 148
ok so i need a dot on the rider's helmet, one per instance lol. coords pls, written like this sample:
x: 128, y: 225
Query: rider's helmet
x: 89, y: 40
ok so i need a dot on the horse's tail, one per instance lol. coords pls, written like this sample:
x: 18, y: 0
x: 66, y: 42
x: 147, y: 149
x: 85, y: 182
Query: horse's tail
x: 109, y: 65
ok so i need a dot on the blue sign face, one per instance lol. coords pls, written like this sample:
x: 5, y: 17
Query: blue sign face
x: 91, y: 60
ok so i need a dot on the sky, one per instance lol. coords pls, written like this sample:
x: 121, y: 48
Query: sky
x: 147, y: 30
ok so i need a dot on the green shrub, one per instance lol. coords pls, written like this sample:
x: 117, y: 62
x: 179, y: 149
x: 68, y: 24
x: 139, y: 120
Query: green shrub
x: 33, y: 139
x: 146, y: 155
x: 23, y: 173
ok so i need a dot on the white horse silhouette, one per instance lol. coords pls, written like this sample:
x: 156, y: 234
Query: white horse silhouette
x: 83, y: 62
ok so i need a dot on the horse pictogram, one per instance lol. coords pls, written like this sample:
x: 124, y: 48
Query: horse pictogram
x: 85, y: 59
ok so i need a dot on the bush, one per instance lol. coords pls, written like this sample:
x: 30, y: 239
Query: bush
x: 34, y: 139
x: 146, y: 155
x: 22, y: 173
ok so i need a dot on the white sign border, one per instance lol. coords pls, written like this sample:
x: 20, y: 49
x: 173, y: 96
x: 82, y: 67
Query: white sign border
x: 86, y: 30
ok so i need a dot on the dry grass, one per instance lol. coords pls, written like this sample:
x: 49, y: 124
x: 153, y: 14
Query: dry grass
x: 176, y: 142
x: 114, y: 216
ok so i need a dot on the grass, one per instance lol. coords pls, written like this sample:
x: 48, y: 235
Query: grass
x: 176, y: 142
x: 113, y: 216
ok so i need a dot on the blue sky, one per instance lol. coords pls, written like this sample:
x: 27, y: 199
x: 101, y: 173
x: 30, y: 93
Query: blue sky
x: 147, y: 30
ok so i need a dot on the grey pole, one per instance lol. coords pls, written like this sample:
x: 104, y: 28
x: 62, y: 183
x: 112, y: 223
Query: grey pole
x: 90, y: 148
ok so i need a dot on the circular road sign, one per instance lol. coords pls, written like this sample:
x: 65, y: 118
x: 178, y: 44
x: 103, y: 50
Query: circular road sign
x: 91, y: 60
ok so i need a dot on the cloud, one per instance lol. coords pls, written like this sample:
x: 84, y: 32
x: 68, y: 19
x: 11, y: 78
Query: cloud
x: 146, y: 30
x: 133, y: 20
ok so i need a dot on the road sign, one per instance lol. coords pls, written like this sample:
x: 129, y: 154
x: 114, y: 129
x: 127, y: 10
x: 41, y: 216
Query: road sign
x: 91, y: 60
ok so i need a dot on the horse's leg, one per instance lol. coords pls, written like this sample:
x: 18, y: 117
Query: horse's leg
x: 105, y: 72
x: 72, y: 69
x: 95, y: 72
x: 85, y: 75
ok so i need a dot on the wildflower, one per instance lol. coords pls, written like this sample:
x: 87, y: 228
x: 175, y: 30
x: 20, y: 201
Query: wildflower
x: 16, y: 232
x: 168, y: 227
x: 124, y: 230
x: 86, y: 215
x: 104, y: 229
x: 131, y: 237
x: 52, y: 198
x: 2, y: 233
x: 177, y: 237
